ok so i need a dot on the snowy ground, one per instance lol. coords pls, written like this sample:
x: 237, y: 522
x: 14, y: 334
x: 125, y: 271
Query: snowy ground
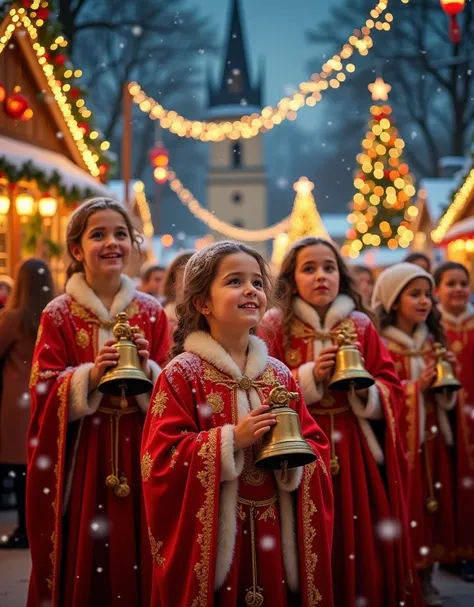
x: 15, y: 568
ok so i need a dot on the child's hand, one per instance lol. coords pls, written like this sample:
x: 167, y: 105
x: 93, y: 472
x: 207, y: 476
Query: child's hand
x: 253, y: 426
x: 324, y: 363
x: 143, y: 346
x: 106, y: 358
x: 428, y: 376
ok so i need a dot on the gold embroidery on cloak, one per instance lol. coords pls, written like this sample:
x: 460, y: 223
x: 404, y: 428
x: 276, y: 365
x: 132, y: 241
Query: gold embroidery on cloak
x: 391, y: 418
x: 268, y: 513
x: 82, y: 338
x: 251, y: 475
x: 159, y: 403
x: 216, y: 402
x: 205, y: 516
x: 155, y: 550
x: 174, y: 457
x: 34, y: 374
x: 309, y: 533
x: 39, y: 335
x: 411, y: 416
x: 146, y: 465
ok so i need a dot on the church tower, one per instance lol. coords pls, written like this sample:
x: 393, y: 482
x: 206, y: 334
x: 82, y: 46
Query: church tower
x: 236, y: 187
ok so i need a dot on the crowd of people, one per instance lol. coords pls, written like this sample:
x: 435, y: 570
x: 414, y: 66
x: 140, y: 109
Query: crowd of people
x: 156, y: 499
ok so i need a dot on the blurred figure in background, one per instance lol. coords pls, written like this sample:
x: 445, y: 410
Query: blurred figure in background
x: 152, y: 280
x: 419, y: 259
x: 6, y: 286
x: 19, y: 323
x: 364, y: 280
x: 172, y: 290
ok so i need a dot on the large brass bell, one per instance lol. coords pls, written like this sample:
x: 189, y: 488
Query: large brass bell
x: 445, y: 379
x: 284, y: 446
x: 349, y: 373
x: 127, y: 377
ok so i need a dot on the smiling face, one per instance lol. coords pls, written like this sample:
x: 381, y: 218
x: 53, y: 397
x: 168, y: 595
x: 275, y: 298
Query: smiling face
x: 415, y: 303
x: 105, y: 245
x: 237, y: 298
x: 454, y: 291
x: 317, y: 276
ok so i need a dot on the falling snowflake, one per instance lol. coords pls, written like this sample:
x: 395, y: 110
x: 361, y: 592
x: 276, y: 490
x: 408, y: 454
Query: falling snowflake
x: 46, y: 490
x: 229, y: 588
x: 413, y: 524
x: 267, y: 542
x: 352, y: 557
x: 137, y: 30
x: 12, y: 473
x: 243, y: 102
x: 135, y: 567
x: 467, y: 482
x: 282, y: 182
x: 41, y: 387
x: 438, y: 485
x: 414, y: 134
x: 42, y: 270
x: 201, y: 51
x: 121, y: 45
x: 180, y: 235
x: 152, y: 318
x: 24, y: 400
x: 336, y: 436
x: 388, y: 530
x: 34, y: 442
x: 434, y: 429
x: 99, y: 570
x: 43, y: 462
x: 4, y: 539
x: 424, y: 550
x: 96, y: 420
x: 100, y: 527
x: 361, y: 601
x: 205, y: 410
x: 235, y: 71
x: 355, y: 517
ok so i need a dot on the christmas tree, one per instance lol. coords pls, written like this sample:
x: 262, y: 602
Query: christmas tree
x: 381, y: 210
x: 305, y: 220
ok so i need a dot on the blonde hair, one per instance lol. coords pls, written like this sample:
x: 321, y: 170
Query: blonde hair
x: 199, y: 275
x: 78, y: 222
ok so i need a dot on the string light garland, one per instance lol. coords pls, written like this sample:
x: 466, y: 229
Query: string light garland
x: 143, y: 209
x: 461, y: 198
x: 308, y: 93
x: 68, y: 98
x: 216, y: 224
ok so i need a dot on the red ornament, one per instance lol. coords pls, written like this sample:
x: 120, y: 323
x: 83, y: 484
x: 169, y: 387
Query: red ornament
x: 42, y: 13
x: 60, y: 59
x: 27, y: 3
x: 3, y: 92
x: 453, y: 8
x: 15, y: 105
x: 84, y: 127
x: 74, y: 92
x: 159, y: 156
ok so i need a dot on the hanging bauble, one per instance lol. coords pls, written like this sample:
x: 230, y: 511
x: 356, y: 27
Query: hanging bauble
x: 453, y: 8
x: 3, y: 92
x: 74, y: 92
x: 42, y: 13
x: 60, y: 59
x: 84, y: 127
x: 15, y: 105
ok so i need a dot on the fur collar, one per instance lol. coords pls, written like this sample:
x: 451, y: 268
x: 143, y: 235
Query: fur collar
x: 206, y: 347
x: 411, y: 343
x: 340, y: 309
x: 78, y: 288
x: 457, y: 320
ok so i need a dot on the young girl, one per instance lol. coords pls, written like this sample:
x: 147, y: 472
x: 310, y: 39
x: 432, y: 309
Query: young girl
x: 316, y: 296
x: 410, y: 324
x: 85, y: 514
x: 457, y: 314
x: 172, y: 291
x: 19, y: 323
x: 222, y: 531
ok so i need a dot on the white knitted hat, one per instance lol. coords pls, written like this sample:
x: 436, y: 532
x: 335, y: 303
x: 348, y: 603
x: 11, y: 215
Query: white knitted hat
x: 392, y: 281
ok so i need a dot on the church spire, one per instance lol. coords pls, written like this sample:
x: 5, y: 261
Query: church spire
x: 236, y: 85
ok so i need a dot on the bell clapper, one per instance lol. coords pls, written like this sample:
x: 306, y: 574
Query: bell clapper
x: 284, y: 471
x: 352, y: 388
x: 123, y: 398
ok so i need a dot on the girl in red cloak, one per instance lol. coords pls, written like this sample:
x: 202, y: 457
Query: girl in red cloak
x: 411, y: 327
x: 457, y: 315
x: 222, y: 531
x: 316, y: 296
x: 85, y: 515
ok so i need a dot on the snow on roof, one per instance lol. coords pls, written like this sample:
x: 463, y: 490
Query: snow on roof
x: 438, y: 194
x: 18, y: 152
x: 231, y: 110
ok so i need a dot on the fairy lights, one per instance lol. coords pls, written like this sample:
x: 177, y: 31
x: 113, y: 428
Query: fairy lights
x: 308, y: 93
x: 187, y: 198
x: 462, y: 197
x: 143, y: 209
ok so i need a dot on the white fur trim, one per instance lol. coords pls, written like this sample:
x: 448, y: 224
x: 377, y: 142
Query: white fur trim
x: 457, y: 320
x: 312, y: 392
x: 227, y: 530
x: 78, y: 288
x: 143, y: 400
x: 81, y: 403
x: 205, y: 346
x: 232, y: 463
x: 294, y: 479
x: 372, y: 409
x: 372, y: 441
x: 288, y: 540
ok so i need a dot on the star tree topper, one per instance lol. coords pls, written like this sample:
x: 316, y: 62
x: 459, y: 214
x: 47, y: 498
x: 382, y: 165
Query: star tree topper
x: 379, y: 90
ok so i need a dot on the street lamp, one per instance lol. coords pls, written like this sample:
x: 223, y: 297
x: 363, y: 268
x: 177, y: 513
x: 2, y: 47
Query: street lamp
x: 4, y: 204
x: 47, y: 206
x: 25, y: 204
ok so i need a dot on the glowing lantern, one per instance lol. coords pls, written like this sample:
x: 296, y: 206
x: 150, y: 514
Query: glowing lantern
x: 452, y: 8
x: 47, y: 206
x: 25, y: 205
x: 4, y: 204
x: 160, y: 174
x: 16, y: 105
x: 159, y: 158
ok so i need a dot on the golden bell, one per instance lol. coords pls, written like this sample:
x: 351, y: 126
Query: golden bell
x: 445, y: 379
x: 283, y: 445
x: 127, y: 377
x: 349, y: 372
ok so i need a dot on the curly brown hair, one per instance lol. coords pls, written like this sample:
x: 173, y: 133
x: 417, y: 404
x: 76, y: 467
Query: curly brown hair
x: 168, y: 290
x: 286, y: 289
x: 77, y: 225
x: 199, y: 275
